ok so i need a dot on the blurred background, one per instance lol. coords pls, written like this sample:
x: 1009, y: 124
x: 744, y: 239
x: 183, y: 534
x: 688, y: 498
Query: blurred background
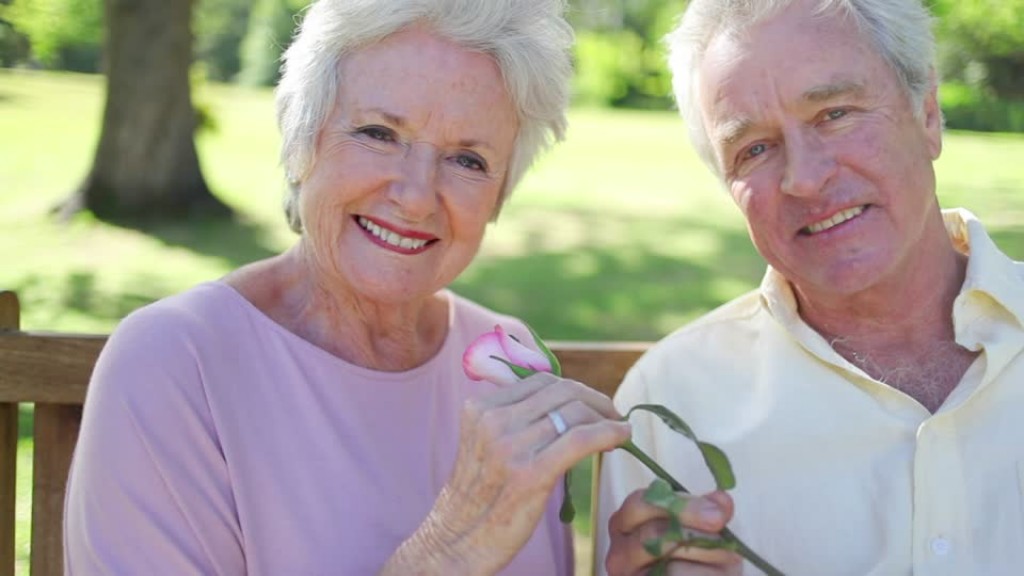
x: 618, y: 234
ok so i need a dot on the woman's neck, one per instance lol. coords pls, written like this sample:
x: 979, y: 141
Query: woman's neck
x: 327, y: 312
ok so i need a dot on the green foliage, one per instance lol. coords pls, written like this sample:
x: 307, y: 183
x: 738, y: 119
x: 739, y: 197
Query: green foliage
x: 219, y: 27
x: 13, y: 44
x: 620, y: 69
x: 982, y: 43
x: 973, y: 108
x: 620, y: 57
x: 63, y: 34
x: 271, y: 26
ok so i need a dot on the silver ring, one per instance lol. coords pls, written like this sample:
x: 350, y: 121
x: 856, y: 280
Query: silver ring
x: 556, y: 418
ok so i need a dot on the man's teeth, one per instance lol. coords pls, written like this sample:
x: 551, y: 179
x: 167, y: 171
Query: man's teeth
x: 836, y: 220
x: 391, y: 237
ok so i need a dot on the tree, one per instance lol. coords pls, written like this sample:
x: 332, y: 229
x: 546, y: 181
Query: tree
x: 271, y: 25
x: 63, y: 34
x: 984, y: 39
x: 146, y: 166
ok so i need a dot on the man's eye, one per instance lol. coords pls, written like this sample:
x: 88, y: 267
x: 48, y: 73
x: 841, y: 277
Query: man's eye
x: 378, y: 133
x: 471, y: 162
x: 836, y: 114
x: 755, y: 150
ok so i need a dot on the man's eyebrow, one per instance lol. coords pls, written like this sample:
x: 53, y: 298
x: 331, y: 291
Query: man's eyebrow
x: 732, y: 130
x: 826, y: 92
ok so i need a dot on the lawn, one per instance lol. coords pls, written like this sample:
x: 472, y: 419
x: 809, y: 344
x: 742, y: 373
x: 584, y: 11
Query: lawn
x: 618, y: 234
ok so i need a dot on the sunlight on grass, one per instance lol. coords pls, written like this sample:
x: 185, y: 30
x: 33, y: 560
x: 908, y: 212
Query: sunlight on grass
x: 23, y: 508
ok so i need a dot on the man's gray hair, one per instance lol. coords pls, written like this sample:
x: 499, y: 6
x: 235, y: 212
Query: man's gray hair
x: 529, y: 39
x: 899, y: 30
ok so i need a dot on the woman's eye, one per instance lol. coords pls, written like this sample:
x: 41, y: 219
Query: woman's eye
x: 378, y: 133
x: 471, y: 162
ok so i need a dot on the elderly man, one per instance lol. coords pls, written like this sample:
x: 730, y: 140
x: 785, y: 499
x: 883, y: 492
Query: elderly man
x: 870, y: 393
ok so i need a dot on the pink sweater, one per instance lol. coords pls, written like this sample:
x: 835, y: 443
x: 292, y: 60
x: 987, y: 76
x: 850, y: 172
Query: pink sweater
x: 214, y: 441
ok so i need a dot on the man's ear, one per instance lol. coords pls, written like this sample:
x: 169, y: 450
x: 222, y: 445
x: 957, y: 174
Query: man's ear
x: 932, y: 117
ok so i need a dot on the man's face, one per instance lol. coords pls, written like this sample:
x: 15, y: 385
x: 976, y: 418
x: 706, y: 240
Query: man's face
x: 822, y: 151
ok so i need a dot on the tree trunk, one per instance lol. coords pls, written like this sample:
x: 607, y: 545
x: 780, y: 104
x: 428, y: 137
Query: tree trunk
x: 146, y: 167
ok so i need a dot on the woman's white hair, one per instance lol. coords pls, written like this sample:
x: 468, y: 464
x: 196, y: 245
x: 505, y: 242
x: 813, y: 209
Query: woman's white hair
x: 529, y: 39
x: 899, y: 30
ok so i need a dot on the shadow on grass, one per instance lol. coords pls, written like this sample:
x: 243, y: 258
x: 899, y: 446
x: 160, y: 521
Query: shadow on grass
x: 79, y: 292
x: 628, y: 291
x: 235, y: 240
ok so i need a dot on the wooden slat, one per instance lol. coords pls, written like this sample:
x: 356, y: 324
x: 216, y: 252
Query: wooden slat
x: 56, y: 431
x: 9, y: 320
x: 599, y: 365
x: 55, y: 368
x: 41, y: 367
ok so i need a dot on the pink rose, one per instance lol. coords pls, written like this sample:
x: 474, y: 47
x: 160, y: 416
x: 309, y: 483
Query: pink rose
x: 483, y: 358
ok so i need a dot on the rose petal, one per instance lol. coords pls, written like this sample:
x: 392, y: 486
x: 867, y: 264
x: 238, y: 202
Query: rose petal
x: 521, y: 355
x: 479, y: 364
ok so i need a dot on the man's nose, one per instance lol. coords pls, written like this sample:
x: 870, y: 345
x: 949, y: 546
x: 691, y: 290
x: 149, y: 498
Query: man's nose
x: 809, y: 163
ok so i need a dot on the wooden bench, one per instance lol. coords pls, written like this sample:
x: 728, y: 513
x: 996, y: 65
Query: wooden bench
x: 52, y: 370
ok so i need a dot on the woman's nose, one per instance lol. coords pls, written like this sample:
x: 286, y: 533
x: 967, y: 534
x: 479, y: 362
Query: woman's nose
x: 415, y: 188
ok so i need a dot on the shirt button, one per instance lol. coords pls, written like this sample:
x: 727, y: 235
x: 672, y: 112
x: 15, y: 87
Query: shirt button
x: 941, y: 546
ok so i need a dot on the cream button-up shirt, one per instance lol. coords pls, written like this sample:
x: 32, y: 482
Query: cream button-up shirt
x: 839, y: 474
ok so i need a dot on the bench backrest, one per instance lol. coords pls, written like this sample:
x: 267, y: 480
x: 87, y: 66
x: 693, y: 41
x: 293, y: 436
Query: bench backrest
x: 52, y: 371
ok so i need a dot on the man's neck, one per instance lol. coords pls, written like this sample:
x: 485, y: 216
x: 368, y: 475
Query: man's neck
x: 899, y: 332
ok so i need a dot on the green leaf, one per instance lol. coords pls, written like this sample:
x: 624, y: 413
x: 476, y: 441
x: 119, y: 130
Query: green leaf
x: 556, y: 367
x: 660, y: 494
x: 660, y: 569
x: 653, y: 547
x: 567, y: 512
x: 518, y: 370
x: 667, y: 416
x: 719, y: 465
x: 716, y: 460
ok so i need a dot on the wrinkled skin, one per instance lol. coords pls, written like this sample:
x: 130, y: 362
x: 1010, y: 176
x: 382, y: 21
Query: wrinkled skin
x: 636, y: 522
x: 509, y: 461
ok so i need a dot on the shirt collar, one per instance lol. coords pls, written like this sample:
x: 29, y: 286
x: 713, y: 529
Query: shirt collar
x: 991, y: 278
x: 993, y: 288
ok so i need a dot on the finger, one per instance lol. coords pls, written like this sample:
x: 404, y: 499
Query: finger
x: 680, y: 568
x: 581, y: 441
x: 627, y: 553
x: 709, y: 513
x: 633, y: 513
x: 710, y: 556
x: 506, y: 395
x: 556, y: 393
x: 631, y: 551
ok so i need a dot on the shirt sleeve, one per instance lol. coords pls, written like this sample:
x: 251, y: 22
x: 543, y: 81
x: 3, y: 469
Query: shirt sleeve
x: 149, y: 491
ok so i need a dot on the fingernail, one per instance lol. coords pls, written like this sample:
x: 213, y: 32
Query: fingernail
x: 708, y: 511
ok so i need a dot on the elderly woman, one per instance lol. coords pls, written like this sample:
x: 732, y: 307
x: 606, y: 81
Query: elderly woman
x: 308, y: 414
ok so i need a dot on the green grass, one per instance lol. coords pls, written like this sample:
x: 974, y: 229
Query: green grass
x: 618, y: 234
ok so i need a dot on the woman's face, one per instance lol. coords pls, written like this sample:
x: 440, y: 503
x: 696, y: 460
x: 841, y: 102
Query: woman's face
x: 409, y: 167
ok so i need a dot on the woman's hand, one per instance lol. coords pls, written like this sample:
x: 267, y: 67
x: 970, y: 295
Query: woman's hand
x: 637, y: 522
x: 510, y: 458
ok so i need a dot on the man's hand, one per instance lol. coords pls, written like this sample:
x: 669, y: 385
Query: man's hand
x: 638, y: 522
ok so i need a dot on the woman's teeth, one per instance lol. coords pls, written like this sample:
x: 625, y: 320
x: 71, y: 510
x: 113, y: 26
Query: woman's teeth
x: 391, y: 237
x: 835, y: 220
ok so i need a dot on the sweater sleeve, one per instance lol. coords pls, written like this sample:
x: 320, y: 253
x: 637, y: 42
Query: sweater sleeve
x: 149, y: 491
